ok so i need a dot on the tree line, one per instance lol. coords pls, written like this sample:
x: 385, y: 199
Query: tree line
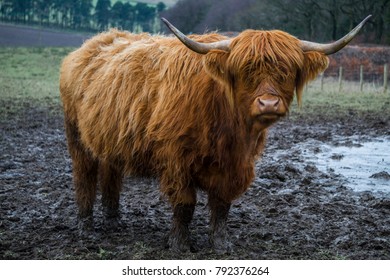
x: 83, y: 14
x: 317, y: 20
x: 320, y: 20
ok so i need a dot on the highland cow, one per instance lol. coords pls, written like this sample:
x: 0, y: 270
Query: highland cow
x: 193, y: 113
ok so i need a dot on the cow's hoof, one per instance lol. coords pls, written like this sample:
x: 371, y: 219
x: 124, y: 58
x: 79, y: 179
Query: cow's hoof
x: 179, y: 242
x: 221, y: 246
x: 85, y: 224
x: 226, y: 249
x: 112, y: 223
x: 177, y: 246
x: 86, y: 228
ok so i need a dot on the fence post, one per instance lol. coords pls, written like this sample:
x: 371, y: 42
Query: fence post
x: 385, y: 77
x: 340, y: 78
x: 361, y: 78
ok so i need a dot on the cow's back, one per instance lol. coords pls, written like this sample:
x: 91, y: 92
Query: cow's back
x: 134, y: 96
x: 100, y: 88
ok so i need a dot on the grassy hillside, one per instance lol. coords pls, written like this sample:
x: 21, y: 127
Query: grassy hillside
x: 29, y: 79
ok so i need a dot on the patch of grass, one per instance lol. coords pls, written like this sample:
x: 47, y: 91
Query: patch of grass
x: 30, y: 73
x: 29, y: 77
x: 140, y: 250
x: 103, y: 254
x: 10, y: 255
x: 29, y: 63
x: 332, y: 101
x: 329, y: 255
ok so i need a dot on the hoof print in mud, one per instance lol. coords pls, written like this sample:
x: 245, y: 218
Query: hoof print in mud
x: 113, y: 223
x: 86, y: 224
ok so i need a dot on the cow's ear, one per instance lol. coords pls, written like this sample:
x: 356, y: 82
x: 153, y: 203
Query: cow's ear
x: 215, y: 63
x: 313, y: 64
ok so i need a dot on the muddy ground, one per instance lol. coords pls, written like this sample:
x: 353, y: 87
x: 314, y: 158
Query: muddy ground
x: 292, y: 210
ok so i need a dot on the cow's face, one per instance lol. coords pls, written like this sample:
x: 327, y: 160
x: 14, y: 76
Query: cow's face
x: 261, y: 72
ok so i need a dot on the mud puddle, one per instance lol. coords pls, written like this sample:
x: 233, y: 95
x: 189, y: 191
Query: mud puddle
x: 364, y: 165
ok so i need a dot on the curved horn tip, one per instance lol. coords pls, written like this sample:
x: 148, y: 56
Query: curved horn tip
x: 363, y: 22
x: 334, y: 47
x: 367, y: 18
x: 201, y: 48
x: 164, y: 20
x: 170, y: 25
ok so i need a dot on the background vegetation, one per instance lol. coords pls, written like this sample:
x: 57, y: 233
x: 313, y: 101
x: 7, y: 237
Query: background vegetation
x: 320, y: 20
x: 86, y: 15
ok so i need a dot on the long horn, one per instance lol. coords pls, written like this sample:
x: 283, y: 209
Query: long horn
x: 198, y: 47
x: 335, y: 46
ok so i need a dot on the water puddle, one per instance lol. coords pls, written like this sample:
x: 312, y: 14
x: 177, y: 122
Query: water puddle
x: 365, y: 165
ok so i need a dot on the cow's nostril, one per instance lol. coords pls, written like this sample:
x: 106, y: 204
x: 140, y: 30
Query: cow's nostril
x: 269, y: 104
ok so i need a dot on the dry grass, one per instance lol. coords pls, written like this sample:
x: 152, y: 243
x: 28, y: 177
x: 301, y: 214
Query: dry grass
x: 371, y: 99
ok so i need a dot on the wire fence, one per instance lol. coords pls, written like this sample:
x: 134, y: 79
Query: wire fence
x: 352, y: 80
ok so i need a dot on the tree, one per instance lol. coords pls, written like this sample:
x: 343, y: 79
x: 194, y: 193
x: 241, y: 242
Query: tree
x: 42, y: 10
x: 102, y: 13
x: 145, y: 16
x: 16, y: 10
x: 82, y: 14
x: 357, y: 9
x: 161, y: 7
x: 128, y: 16
x: 225, y: 16
x: 316, y: 20
x: 116, y: 14
x: 187, y: 15
x: 64, y: 10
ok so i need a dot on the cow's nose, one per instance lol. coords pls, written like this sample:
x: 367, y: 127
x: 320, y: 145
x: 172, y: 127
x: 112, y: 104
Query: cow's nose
x: 268, y: 105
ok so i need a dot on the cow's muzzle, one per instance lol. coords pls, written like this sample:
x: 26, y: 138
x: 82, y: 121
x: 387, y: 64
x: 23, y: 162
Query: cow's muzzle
x: 269, y: 107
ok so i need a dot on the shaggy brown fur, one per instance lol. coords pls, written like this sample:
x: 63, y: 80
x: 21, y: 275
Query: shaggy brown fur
x: 147, y: 105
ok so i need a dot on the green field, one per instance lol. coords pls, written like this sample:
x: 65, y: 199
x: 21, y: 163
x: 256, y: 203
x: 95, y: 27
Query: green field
x: 29, y: 79
x: 371, y: 99
x: 31, y: 74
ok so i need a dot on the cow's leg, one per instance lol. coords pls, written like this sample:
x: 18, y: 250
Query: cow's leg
x: 183, y: 200
x: 110, y: 179
x: 85, y: 169
x: 218, y: 227
x: 179, y: 238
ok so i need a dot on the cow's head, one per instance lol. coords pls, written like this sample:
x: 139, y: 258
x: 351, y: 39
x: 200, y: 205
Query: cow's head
x: 261, y: 70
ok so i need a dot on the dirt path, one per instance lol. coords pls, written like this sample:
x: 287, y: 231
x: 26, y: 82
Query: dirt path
x: 24, y: 36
